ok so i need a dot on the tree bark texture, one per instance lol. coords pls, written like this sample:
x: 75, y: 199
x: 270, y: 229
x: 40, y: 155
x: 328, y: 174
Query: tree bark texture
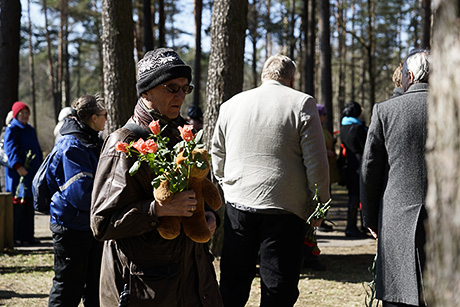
x: 311, y: 54
x: 119, y: 69
x: 425, y: 8
x: 225, y: 71
x: 161, y: 24
x: 51, y: 73
x: 197, y: 69
x: 325, y: 61
x: 31, y: 67
x: 10, y: 20
x: 442, y: 276
x: 148, y: 29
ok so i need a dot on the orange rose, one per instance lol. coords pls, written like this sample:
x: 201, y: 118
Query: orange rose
x: 120, y: 146
x: 139, y: 145
x: 150, y: 146
x: 186, y: 132
x: 155, y: 127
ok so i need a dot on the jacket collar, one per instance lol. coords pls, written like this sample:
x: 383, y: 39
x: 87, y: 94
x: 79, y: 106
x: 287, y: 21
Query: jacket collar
x: 417, y: 87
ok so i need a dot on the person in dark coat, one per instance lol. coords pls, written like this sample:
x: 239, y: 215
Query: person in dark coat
x: 20, y: 138
x: 124, y: 213
x: 353, y: 134
x: 70, y: 178
x: 394, y: 185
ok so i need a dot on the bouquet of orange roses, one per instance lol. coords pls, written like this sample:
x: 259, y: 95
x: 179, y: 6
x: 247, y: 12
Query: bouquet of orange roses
x: 160, y: 158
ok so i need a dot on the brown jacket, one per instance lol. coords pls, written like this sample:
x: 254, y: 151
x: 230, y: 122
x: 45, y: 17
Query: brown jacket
x: 158, y: 272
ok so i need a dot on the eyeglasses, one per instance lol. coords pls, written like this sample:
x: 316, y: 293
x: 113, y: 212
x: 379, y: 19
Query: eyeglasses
x: 105, y: 115
x: 174, y: 88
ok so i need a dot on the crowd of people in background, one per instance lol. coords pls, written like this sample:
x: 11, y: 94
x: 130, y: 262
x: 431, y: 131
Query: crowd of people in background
x: 107, y: 250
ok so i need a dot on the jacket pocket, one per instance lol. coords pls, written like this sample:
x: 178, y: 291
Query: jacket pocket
x: 154, y: 284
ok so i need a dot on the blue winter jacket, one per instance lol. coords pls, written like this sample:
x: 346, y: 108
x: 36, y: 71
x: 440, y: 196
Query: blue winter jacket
x: 18, y: 140
x: 70, y: 175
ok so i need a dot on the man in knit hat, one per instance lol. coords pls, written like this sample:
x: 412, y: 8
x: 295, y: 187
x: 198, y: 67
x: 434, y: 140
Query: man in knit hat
x: 124, y: 213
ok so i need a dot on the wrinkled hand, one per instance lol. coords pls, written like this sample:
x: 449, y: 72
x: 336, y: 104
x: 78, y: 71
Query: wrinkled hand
x: 211, y: 221
x: 22, y: 171
x: 182, y: 204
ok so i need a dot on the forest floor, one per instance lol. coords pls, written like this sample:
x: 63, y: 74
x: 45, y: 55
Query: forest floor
x: 26, y: 272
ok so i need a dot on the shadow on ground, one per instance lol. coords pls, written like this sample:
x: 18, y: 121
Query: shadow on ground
x: 343, y: 268
x: 11, y: 294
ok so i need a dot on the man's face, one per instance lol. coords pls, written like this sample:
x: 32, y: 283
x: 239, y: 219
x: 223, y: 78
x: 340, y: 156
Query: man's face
x: 165, y: 102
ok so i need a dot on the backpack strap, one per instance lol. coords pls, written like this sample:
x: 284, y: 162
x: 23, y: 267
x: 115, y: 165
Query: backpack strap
x: 137, y: 129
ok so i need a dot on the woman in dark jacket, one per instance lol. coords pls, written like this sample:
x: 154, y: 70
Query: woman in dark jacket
x: 70, y: 177
x: 353, y: 134
x: 20, y: 139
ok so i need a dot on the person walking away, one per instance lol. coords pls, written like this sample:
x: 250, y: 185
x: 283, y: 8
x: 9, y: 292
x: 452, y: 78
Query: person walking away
x: 70, y: 179
x: 394, y: 186
x: 125, y: 215
x: 268, y: 153
x: 353, y: 134
x: 24, y: 158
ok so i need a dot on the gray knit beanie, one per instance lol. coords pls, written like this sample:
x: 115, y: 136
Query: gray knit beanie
x: 158, y: 66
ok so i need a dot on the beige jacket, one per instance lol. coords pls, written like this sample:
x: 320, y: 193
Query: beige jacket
x: 268, y: 150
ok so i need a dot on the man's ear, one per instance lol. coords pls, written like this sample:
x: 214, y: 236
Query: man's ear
x: 411, y: 77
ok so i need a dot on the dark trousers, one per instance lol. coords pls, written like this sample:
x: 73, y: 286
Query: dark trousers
x: 24, y: 221
x: 77, y: 264
x: 279, y: 239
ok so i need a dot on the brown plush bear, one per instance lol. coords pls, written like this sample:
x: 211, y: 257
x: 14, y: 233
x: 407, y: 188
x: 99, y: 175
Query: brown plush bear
x: 195, y: 227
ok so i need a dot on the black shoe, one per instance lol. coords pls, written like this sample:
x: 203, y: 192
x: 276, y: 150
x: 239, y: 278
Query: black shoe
x: 354, y: 233
x: 325, y: 227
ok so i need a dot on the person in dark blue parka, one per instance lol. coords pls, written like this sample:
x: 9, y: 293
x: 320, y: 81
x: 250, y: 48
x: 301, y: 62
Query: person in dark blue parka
x: 20, y: 139
x: 70, y: 177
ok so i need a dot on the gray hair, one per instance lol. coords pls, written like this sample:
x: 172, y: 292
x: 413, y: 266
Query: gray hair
x: 418, y: 62
x: 278, y: 67
x: 88, y: 105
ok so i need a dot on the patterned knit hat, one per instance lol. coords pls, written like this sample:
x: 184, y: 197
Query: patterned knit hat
x: 158, y: 66
x: 17, y: 107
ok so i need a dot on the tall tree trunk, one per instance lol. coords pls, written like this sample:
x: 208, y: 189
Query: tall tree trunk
x: 311, y: 52
x: 268, y: 35
x: 161, y: 24
x: 443, y: 159
x: 31, y: 67
x: 353, y: 57
x: 97, y: 23
x: 342, y: 56
x: 119, y: 69
x: 61, y: 58
x: 10, y: 21
x: 292, y: 24
x: 148, y: 29
x: 225, y: 72
x: 371, y: 52
x: 425, y: 7
x: 138, y: 6
x: 305, y: 44
x: 51, y: 75
x: 253, y: 21
x: 325, y: 61
x: 197, y: 70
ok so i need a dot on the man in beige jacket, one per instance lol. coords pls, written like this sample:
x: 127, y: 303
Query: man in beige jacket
x: 268, y: 152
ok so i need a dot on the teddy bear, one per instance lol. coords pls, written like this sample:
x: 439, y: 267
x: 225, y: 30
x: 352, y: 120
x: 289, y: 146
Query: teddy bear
x: 195, y: 227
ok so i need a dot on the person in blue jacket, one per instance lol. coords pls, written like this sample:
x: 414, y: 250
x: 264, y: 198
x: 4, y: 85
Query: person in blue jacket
x: 70, y: 176
x: 20, y: 139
